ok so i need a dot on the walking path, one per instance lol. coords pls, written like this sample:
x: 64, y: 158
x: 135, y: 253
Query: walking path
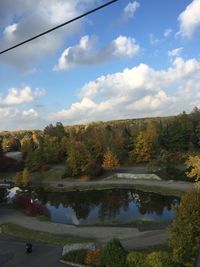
x: 130, y: 237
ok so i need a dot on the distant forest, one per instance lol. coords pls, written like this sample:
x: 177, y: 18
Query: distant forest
x: 87, y: 148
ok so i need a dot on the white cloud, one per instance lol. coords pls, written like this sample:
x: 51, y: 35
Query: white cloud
x: 189, y: 19
x: 9, y: 31
x: 30, y: 113
x: 167, y: 32
x: 137, y: 92
x: 20, y: 96
x: 16, y: 119
x: 30, y: 19
x: 86, y: 52
x: 130, y: 9
x: 175, y: 52
x: 125, y: 47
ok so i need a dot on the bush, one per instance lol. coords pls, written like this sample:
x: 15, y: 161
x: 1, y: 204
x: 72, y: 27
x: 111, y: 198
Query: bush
x: 113, y: 255
x: 76, y: 256
x: 32, y: 208
x: 136, y: 259
x: 159, y: 259
x: 185, y: 229
x: 93, y: 258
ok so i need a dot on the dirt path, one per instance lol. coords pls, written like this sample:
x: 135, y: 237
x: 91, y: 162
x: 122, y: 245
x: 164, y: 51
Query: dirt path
x: 130, y: 237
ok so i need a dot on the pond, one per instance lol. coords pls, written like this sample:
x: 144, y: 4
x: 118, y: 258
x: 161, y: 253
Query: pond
x: 97, y: 206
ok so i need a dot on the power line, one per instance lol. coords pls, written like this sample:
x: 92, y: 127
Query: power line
x: 58, y: 26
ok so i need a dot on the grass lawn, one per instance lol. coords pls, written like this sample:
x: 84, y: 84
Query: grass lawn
x: 29, y: 234
x: 7, y: 175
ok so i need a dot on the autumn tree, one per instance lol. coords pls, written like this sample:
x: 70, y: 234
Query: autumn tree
x: 25, y: 177
x: 27, y: 146
x: 51, y: 149
x: 146, y: 143
x: 193, y: 163
x: 18, y: 178
x: 77, y: 158
x: 110, y: 161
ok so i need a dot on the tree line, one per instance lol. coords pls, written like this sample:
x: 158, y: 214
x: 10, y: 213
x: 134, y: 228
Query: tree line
x: 88, y: 149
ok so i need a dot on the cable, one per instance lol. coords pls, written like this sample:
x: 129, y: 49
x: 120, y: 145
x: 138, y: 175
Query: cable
x: 59, y: 26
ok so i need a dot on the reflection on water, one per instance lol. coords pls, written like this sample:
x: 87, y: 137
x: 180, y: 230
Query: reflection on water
x: 90, y: 207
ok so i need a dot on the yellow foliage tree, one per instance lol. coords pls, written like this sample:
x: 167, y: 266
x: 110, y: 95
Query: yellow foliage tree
x: 193, y: 162
x: 25, y: 177
x: 110, y: 161
x: 146, y: 141
x: 18, y: 178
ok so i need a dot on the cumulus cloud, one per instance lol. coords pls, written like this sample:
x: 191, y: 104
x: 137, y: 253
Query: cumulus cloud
x: 16, y: 119
x: 21, y: 96
x: 130, y: 9
x: 189, y: 19
x: 137, y: 92
x: 87, y: 53
x: 175, y: 52
x: 30, y: 19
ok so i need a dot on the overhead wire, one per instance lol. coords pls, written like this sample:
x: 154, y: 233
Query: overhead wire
x: 58, y: 26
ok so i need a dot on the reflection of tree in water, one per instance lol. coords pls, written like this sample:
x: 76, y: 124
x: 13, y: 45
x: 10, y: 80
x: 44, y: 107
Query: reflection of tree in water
x: 112, y: 202
x: 108, y: 202
x: 151, y: 202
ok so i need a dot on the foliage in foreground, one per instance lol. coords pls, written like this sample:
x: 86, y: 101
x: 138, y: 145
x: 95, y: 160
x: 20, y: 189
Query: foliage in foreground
x: 193, y: 162
x: 113, y: 255
x: 185, y: 230
x: 76, y: 256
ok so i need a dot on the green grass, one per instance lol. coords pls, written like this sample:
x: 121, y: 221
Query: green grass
x: 54, y: 174
x: 131, y: 223
x: 29, y: 234
x: 9, y: 175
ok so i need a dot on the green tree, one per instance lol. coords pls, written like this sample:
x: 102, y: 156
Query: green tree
x: 185, y: 230
x: 77, y: 158
x: 113, y: 254
x: 34, y: 160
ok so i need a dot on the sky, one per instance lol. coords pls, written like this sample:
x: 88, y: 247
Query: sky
x: 132, y: 59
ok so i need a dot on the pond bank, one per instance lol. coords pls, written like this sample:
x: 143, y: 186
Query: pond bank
x: 130, y: 237
x: 146, y: 185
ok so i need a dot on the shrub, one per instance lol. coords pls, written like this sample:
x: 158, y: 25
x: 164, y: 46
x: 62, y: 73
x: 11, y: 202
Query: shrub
x: 32, y: 208
x: 185, y: 229
x: 159, y: 259
x: 113, y: 255
x: 76, y: 256
x: 93, y: 258
x: 136, y: 259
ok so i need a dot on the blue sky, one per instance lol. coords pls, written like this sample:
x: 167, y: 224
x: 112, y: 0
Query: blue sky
x: 132, y: 59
